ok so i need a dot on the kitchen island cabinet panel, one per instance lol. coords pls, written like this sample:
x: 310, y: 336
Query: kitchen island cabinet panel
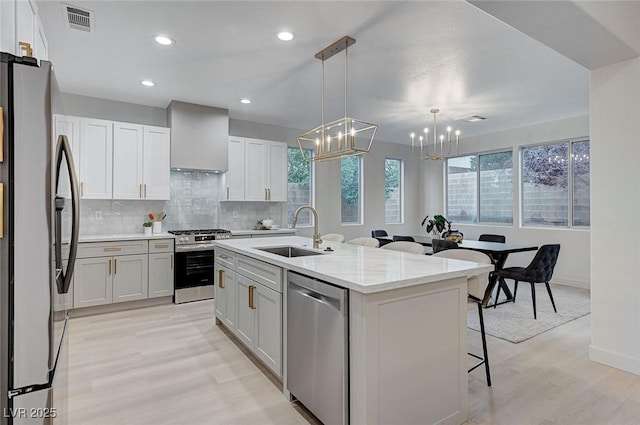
x: 268, y: 328
x: 245, y: 329
x: 130, y: 277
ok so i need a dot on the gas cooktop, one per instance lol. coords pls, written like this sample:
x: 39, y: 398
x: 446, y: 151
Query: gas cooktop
x: 200, y: 236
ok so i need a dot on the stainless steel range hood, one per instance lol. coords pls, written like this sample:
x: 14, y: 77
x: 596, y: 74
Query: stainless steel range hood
x: 199, y: 136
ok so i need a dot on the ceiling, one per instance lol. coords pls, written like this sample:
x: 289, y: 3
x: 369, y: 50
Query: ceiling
x: 409, y: 57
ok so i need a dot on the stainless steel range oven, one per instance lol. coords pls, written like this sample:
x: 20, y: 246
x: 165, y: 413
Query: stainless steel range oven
x: 193, y: 272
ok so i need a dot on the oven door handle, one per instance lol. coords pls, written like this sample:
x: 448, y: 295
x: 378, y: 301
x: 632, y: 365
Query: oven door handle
x: 190, y: 248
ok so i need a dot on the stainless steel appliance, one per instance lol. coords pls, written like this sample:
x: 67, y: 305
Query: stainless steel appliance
x: 193, y: 273
x: 318, y: 348
x: 33, y: 336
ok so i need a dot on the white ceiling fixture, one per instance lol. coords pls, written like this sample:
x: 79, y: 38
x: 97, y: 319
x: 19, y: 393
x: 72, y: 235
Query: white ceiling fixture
x: 245, y: 101
x: 285, y: 36
x: 442, y: 146
x: 343, y: 137
x: 147, y: 83
x: 473, y: 118
x: 164, y: 40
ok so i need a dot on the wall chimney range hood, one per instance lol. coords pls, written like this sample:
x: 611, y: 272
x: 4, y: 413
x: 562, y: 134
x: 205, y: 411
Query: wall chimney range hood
x: 199, y: 136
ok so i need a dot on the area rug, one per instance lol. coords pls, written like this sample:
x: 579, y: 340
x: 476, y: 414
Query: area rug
x: 514, y: 322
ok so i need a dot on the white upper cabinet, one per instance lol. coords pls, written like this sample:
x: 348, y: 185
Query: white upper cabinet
x: 70, y: 127
x: 127, y: 161
x: 255, y: 184
x: 234, y: 177
x: 276, y: 171
x: 156, y: 162
x: 257, y: 170
x: 21, y: 31
x: 96, y: 159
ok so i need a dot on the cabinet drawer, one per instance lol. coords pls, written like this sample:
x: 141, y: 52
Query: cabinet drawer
x: 108, y: 249
x: 226, y: 258
x: 264, y: 273
x: 160, y: 245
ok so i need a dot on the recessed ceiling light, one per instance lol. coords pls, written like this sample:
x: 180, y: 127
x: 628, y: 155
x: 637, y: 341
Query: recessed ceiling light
x: 285, y: 36
x: 147, y: 83
x: 245, y: 101
x: 164, y: 40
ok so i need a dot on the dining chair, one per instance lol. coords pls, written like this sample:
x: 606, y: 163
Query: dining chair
x: 382, y: 236
x: 406, y: 246
x: 442, y: 244
x: 476, y: 292
x: 379, y: 233
x: 397, y: 238
x: 371, y: 242
x: 486, y: 237
x: 540, y: 270
x: 332, y: 237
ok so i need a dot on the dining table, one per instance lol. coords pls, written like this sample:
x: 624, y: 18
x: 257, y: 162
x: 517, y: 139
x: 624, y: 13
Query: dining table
x: 498, y: 251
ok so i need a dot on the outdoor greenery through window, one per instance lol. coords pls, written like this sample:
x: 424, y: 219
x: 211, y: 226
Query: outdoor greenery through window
x: 351, y: 189
x: 300, y: 186
x: 480, y: 188
x: 555, y: 184
x: 393, y: 191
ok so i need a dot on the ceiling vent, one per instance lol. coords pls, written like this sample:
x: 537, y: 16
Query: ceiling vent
x: 78, y: 19
x: 473, y: 118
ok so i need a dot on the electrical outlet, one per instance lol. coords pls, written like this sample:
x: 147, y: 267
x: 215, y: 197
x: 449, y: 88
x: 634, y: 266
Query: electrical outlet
x: 235, y: 214
x: 98, y: 215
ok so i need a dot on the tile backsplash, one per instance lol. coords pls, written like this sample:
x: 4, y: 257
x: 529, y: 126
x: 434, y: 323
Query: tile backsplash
x: 195, y: 204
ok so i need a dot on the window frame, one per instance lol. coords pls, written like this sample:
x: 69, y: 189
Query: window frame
x: 401, y: 187
x: 360, y: 221
x: 477, y: 222
x: 312, y: 185
x: 570, y: 182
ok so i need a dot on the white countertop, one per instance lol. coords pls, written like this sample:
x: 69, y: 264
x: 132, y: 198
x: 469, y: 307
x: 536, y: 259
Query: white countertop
x: 362, y: 269
x: 262, y: 232
x: 124, y: 237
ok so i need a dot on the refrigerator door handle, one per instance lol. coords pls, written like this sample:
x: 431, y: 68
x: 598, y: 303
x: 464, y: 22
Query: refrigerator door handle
x: 63, y: 279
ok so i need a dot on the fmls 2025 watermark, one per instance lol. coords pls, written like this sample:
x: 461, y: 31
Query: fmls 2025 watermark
x: 30, y: 412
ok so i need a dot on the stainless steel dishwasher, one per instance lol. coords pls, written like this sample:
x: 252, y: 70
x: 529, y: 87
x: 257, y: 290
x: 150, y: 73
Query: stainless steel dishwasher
x: 317, y: 347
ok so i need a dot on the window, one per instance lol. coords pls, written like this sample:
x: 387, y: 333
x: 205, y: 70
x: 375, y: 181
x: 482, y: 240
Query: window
x: 393, y: 200
x: 552, y: 175
x: 480, y: 188
x: 300, y: 186
x: 351, y: 189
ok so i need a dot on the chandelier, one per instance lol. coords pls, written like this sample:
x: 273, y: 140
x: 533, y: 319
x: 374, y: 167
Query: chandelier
x: 346, y: 136
x: 442, y: 146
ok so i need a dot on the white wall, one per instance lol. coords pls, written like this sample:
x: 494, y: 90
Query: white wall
x: 615, y: 253
x: 573, y: 263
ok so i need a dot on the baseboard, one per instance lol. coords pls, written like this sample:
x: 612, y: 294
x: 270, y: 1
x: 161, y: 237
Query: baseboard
x: 571, y: 282
x: 619, y: 361
x: 129, y: 305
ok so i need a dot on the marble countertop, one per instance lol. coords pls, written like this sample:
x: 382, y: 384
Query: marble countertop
x: 124, y: 237
x: 262, y: 232
x: 362, y: 269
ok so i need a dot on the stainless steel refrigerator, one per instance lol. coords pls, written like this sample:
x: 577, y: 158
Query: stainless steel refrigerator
x: 33, y: 335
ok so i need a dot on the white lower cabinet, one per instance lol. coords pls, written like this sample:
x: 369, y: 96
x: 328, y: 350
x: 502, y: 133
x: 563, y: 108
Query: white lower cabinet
x: 92, y: 279
x: 161, y: 263
x: 251, y: 310
x: 225, y: 296
x: 130, y: 277
x: 144, y: 269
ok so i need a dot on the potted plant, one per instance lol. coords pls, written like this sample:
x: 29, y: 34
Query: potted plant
x: 147, y: 227
x: 435, y: 225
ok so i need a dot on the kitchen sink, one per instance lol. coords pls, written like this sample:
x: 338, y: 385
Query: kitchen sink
x: 289, y: 251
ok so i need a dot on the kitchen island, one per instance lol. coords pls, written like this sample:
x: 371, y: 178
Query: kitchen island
x: 407, y: 325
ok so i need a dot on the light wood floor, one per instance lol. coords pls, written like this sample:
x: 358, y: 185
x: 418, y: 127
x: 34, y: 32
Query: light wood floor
x: 171, y: 365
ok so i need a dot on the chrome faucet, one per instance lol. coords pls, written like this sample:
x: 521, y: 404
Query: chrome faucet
x: 316, y: 235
